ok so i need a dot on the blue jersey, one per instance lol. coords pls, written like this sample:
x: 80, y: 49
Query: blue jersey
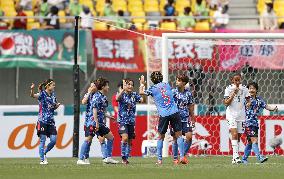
x: 47, y: 104
x: 183, y: 100
x: 99, y: 102
x: 88, y: 109
x: 257, y: 104
x: 127, y: 107
x: 164, y: 98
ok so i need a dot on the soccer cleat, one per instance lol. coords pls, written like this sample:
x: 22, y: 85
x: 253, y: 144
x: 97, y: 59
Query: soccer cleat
x: 159, y: 162
x: 244, y: 161
x: 236, y: 160
x: 125, y: 161
x: 263, y: 159
x: 81, y: 162
x: 87, y: 161
x: 45, y: 159
x: 176, y: 161
x: 43, y: 162
x: 184, y: 160
x: 109, y: 160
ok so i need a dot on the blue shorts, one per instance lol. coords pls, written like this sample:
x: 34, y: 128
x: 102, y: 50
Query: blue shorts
x: 185, y: 128
x: 45, y: 129
x: 127, y: 129
x: 251, y: 131
x: 103, y: 130
x: 174, y: 120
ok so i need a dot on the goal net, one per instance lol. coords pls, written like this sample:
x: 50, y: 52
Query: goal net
x: 208, y: 59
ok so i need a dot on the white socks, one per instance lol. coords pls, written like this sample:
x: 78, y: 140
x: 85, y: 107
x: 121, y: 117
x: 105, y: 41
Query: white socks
x: 235, y: 146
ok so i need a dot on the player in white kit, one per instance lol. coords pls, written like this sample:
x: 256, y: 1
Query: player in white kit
x: 235, y: 97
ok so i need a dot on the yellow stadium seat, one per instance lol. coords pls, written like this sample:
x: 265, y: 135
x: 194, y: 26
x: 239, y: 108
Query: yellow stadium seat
x: 278, y: 6
x: 119, y: 5
x: 151, y: 6
x: 281, y: 19
x: 139, y: 26
x: 61, y: 15
x: 7, y: 3
x: 135, y: 6
x: 181, y: 4
x: 100, y: 26
x: 162, y: 4
x: 140, y: 14
x: 30, y: 14
x: 168, y: 26
x: 100, y: 5
x: 88, y: 3
x: 202, y: 26
x: 33, y: 25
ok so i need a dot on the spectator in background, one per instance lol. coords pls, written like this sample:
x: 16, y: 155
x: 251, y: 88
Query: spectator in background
x: 20, y: 23
x: 120, y: 22
x: 132, y: 26
x: 220, y: 18
x: 58, y: 3
x: 169, y: 8
x: 186, y: 21
x: 108, y: 11
x: 41, y: 9
x: 200, y: 8
x: 53, y: 20
x: 86, y: 21
x: 74, y: 8
x: 26, y: 4
x: 268, y: 20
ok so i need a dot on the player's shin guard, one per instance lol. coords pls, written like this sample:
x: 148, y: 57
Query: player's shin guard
x: 109, y: 146
x: 175, y: 150
x: 124, y: 150
x: 256, y: 150
x: 160, y: 149
x: 180, y: 143
x: 41, y: 146
x: 187, y: 145
x: 235, y: 146
x: 247, y: 151
x: 104, y: 150
x: 83, y: 150
x: 51, y: 143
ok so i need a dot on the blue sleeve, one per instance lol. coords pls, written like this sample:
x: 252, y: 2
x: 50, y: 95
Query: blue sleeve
x: 149, y: 92
x: 263, y: 104
x: 95, y: 102
x: 137, y: 97
x: 41, y: 96
x: 190, y: 97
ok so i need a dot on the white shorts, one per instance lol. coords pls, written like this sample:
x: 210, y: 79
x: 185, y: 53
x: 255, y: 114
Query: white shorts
x: 239, y: 125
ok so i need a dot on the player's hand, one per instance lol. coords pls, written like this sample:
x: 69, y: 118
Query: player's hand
x: 124, y: 85
x: 142, y: 80
x: 248, y: 104
x: 32, y: 86
x: 276, y: 109
x: 236, y: 90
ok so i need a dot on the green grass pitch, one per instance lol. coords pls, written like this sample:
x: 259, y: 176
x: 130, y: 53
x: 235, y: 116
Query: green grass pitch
x: 199, y: 167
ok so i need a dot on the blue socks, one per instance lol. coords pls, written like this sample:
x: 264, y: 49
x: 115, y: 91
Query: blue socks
x: 128, y: 150
x: 180, y: 146
x: 104, y: 150
x: 109, y: 147
x: 42, y: 139
x: 187, y: 145
x: 175, y: 150
x: 87, y: 152
x: 124, y: 150
x: 256, y: 150
x: 247, y: 151
x: 51, y: 143
x: 83, y: 150
x: 160, y: 149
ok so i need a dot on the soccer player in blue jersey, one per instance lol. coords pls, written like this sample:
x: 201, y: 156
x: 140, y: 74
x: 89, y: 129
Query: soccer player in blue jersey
x: 46, y: 124
x: 89, y: 131
x: 127, y: 100
x: 253, y: 109
x: 98, y: 114
x: 168, y: 112
x: 184, y: 100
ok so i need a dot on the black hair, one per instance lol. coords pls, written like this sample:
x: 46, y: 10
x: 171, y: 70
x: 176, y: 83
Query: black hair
x: 42, y: 86
x: 67, y: 34
x: 128, y: 80
x: 235, y: 73
x: 184, y: 78
x: 120, y: 84
x: 187, y: 10
x: 101, y: 82
x: 54, y: 10
x: 156, y: 77
x: 254, y: 84
x: 120, y: 13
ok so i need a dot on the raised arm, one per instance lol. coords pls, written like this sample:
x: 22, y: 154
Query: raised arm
x: 120, y: 92
x: 32, y: 93
x: 230, y: 98
x: 142, y: 85
x: 270, y: 108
